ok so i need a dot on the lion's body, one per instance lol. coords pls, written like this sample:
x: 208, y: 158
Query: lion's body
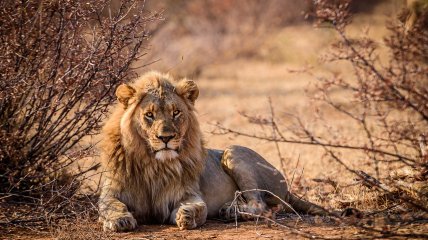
x: 217, y: 187
x: 158, y: 171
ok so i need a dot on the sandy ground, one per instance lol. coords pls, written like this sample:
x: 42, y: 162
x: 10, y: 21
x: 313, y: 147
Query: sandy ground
x: 290, y: 228
x: 247, y: 230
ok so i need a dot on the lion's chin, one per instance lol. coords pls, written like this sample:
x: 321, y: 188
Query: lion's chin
x: 166, y: 154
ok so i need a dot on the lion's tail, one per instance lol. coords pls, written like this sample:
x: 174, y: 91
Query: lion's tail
x: 302, y: 206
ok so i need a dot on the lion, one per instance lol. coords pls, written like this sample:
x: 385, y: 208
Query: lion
x: 157, y: 169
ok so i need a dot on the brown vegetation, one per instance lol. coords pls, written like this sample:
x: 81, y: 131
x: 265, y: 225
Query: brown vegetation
x: 60, y: 62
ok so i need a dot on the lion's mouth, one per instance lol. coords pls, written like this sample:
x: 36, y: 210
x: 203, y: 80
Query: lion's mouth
x: 166, y: 154
x: 165, y: 149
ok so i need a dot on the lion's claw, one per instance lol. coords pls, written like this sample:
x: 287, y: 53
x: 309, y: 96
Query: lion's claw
x: 185, y: 218
x: 120, y: 224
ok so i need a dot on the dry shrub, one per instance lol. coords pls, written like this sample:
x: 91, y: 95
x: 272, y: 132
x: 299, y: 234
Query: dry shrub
x: 385, y: 104
x: 60, y: 62
x: 388, y: 100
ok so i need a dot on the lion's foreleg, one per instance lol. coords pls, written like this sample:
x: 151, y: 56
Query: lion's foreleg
x: 114, y: 214
x: 191, y: 213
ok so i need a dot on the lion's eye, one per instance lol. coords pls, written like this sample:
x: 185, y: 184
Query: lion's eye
x: 176, y: 113
x: 149, y: 115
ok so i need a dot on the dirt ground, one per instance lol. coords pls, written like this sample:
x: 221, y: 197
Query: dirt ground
x: 287, y: 227
x: 228, y: 231
x: 211, y: 230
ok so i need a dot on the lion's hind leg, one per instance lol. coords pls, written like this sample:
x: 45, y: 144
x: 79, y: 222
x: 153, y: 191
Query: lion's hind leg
x: 256, y: 179
x: 250, y: 171
x: 241, y: 210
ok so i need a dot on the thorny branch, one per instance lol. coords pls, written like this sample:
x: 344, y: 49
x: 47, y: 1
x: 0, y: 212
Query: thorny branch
x: 60, y: 62
x: 386, y: 107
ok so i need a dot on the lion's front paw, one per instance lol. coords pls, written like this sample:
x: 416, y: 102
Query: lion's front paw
x: 186, y: 218
x: 122, y: 223
x: 190, y: 214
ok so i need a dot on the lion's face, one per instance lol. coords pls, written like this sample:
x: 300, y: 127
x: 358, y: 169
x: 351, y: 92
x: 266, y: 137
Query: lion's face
x: 160, y: 111
x: 163, y: 122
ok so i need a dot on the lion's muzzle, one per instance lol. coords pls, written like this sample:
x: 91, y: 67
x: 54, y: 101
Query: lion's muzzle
x: 166, y: 148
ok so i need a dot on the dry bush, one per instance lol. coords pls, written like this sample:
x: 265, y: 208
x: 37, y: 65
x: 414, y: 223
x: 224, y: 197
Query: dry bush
x: 385, y: 104
x: 60, y: 62
x: 388, y: 99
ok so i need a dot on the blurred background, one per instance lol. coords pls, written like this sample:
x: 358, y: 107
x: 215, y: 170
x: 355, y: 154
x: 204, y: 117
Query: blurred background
x: 196, y: 35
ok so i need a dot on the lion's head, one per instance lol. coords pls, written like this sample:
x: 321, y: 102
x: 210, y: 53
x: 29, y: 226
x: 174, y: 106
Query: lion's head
x: 160, y: 113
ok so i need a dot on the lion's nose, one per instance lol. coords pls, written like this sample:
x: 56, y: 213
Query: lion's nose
x: 166, y: 139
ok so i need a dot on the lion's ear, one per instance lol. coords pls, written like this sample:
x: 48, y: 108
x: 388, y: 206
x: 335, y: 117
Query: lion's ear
x: 124, y: 92
x: 188, y: 89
